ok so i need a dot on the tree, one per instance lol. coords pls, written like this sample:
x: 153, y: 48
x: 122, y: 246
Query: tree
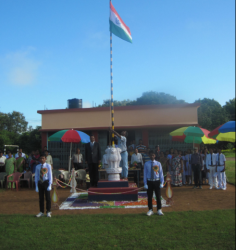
x: 7, y: 138
x: 211, y: 114
x: 152, y: 97
x: 13, y: 122
x: 30, y: 140
x: 230, y: 109
x: 147, y: 98
x: 106, y: 103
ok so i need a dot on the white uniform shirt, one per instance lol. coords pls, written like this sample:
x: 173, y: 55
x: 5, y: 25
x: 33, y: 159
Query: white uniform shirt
x: 2, y: 160
x: 138, y: 158
x: 221, y: 159
x: 122, y: 143
x: 208, y: 160
x: 49, y: 160
x: 23, y: 155
x: 77, y: 158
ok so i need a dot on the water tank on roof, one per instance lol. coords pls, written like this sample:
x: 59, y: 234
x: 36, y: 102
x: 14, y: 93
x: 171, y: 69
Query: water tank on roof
x: 74, y: 103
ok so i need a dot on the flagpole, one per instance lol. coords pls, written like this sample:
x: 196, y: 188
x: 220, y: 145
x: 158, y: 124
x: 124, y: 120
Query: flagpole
x: 112, y: 102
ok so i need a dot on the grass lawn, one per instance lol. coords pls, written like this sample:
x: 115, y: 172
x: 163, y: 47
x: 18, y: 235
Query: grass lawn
x: 230, y: 171
x: 175, y: 230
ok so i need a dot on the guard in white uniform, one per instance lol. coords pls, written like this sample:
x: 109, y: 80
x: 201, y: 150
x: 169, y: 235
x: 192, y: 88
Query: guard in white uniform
x: 221, y: 170
x: 211, y: 168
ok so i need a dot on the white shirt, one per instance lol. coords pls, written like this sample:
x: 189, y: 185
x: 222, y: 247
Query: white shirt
x: 208, y: 160
x: 2, y: 160
x: 49, y: 159
x: 122, y: 143
x: 137, y: 157
x: 221, y: 159
x: 77, y: 158
x: 23, y: 155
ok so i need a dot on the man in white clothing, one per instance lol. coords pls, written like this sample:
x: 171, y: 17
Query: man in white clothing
x: 221, y: 170
x: 22, y: 154
x: 137, y: 157
x: 211, y: 168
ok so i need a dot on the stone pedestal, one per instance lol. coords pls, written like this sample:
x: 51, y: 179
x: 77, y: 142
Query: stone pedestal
x: 113, y: 189
x: 113, y: 160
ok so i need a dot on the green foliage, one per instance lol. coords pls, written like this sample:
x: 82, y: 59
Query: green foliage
x: 106, y: 103
x: 152, y: 97
x: 176, y: 230
x: 13, y: 122
x: 230, y: 145
x: 230, y: 109
x: 211, y: 114
x: 8, y: 138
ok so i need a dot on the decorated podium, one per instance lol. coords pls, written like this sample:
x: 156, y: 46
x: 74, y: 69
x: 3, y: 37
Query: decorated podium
x: 113, y: 188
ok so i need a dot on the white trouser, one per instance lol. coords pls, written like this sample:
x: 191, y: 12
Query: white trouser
x: 221, y: 177
x: 212, y: 176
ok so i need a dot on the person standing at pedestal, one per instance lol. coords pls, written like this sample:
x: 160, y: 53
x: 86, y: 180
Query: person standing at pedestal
x: 122, y: 139
x: 93, y: 159
x: 211, y: 168
x: 43, y: 185
x: 153, y: 179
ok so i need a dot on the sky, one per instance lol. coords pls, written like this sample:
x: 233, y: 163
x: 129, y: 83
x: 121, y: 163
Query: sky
x: 55, y: 50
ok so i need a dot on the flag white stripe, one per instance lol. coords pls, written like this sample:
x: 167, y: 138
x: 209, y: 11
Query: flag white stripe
x: 114, y: 18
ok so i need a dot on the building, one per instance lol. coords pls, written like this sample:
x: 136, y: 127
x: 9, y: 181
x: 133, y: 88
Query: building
x: 151, y: 123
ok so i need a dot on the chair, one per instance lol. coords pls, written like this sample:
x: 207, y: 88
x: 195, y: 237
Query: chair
x: 27, y: 177
x: 2, y: 178
x: 16, y: 179
x: 66, y: 175
x: 56, y: 173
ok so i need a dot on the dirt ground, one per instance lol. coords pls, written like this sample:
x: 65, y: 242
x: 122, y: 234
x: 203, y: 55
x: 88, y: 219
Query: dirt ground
x: 25, y: 201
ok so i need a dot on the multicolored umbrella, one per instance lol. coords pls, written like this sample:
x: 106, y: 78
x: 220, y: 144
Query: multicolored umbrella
x: 73, y: 136
x: 192, y: 135
x: 70, y: 136
x: 225, y: 132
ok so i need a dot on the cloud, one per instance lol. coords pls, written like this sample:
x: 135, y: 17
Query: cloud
x: 87, y: 105
x: 20, y: 67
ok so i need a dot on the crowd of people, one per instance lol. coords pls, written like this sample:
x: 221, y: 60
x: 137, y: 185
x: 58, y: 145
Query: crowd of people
x: 193, y: 166
x: 22, y: 162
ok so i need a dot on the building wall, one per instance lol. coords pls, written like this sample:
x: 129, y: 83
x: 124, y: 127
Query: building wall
x: 125, y: 117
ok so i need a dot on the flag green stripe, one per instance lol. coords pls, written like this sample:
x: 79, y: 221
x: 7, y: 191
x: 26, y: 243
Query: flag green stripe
x: 119, y: 32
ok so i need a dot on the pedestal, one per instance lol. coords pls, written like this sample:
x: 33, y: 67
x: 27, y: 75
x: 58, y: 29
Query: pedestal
x: 113, y: 191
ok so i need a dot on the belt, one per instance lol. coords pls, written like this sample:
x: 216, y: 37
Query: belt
x: 154, y: 179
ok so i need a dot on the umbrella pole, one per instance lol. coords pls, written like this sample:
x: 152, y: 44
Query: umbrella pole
x: 70, y: 156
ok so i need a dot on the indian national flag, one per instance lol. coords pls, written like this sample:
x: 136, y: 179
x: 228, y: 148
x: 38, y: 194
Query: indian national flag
x: 118, y: 27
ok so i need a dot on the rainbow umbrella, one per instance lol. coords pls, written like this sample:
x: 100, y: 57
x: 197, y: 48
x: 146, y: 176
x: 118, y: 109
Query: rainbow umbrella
x: 225, y: 132
x: 192, y: 135
x: 70, y: 136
